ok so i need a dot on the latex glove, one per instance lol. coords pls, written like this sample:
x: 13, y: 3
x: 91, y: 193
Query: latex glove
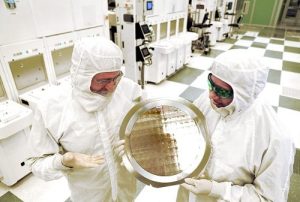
x: 78, y: 160
x: 198, y: 186
x: 119, y: 148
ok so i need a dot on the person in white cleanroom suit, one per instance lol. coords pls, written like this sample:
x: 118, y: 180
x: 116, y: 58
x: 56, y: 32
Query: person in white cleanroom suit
x: 252, y: 154
x: 75, y: 133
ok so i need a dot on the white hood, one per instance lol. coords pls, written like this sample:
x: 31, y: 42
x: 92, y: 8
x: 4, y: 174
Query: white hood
x: 91, y: 56
x: 246, y: 73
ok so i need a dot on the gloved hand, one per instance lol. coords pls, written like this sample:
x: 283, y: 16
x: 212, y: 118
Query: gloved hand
x: 198, y: 186
x: 119, y: 148
x: 78, y: 160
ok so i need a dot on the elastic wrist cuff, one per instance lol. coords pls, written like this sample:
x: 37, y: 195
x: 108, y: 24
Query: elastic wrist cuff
x: 57, y: 163
x: 220, y: 190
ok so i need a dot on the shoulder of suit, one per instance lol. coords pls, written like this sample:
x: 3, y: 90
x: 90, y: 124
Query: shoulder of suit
x: 56, y: 97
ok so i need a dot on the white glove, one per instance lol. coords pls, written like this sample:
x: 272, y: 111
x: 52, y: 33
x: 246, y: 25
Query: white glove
x: 198, y: 186
x: 119, y: 148
x: 78, y: 160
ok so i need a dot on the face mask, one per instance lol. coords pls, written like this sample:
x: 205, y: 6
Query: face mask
x: 91, y: 102
x: 88, y: 100
x: 224, y: 111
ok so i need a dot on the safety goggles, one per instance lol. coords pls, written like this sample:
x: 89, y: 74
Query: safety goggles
x: 116, y: 80
x: 221, y: 92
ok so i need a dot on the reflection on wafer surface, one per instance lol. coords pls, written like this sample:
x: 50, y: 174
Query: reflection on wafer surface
x: 153, y: 139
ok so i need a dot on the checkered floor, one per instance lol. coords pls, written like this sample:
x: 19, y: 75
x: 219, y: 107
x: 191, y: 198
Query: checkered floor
x: 282, y: 90
x: 282, y: 52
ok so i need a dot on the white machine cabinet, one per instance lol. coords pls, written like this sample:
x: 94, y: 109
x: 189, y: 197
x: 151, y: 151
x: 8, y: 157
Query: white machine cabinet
x: 59, y: 49
x: 52, y: 16
x: 93, y: 32
x: 27, y: 67
x: 89, y: 13
x: 32, y: 97
x: 219, y: 30
x: 14, y: 126
x: 157, y: 72
x: 171, y: 57
x: 225, y: 28
x: 180, y: 52
x: 13, y: 26
x: 213, y: 35
x: 187, y: 38
x: 164, y: 61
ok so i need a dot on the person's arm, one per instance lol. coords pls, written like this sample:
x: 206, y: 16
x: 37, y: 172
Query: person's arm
x: 45, y: 160
x: 272, y: 179
x: 271, y: 182
x: 132, y: 90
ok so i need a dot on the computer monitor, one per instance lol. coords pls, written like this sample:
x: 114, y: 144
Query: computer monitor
x: 145, y: 29
x: 149, y: 5
x: 142, y: 53
x: 145, y: 52
x: 200, y: 6
x: 229, y: 5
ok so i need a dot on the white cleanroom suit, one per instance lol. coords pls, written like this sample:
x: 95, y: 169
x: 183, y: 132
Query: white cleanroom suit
x: 77, y: 120
x: 252, y: 154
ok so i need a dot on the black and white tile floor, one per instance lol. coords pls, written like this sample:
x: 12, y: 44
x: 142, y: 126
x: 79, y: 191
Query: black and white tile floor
x: 282, y: 90
x: 282, y: 52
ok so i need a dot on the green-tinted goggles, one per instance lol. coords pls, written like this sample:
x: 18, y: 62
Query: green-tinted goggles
x: 221, y: 92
